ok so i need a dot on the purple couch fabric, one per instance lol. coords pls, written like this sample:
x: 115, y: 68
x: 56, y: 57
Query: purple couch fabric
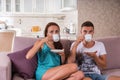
x: 21, y: 43
x: 20, y: 65
x: 112, y: 46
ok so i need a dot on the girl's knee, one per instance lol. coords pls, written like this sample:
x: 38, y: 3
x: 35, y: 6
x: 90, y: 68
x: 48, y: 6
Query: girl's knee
x: 82, y: 74
x: 79, y: 75
x: 73, y: 66
x: 43, y: 78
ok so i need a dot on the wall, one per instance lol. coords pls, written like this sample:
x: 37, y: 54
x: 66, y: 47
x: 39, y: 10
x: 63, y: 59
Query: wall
x: 105, y: 14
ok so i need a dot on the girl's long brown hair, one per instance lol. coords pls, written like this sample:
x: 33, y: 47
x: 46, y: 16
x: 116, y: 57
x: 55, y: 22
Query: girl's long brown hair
x: 57, y: 45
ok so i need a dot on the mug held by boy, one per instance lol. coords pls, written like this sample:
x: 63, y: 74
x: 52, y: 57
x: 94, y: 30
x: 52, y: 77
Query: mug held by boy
x: 88, y: 37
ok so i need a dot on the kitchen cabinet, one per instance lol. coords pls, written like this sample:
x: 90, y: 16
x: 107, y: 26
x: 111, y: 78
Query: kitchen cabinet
x: 0, y: 5
x: 53, y: 5
x: 39, y: 6
x: 13, y: 6
x: 35, y: 6
x: 27, y: 5
x: 10, y: 6
x: 42, y: 6
x: 30, y: 6
x: 69, y: 5
x: 18, y: 7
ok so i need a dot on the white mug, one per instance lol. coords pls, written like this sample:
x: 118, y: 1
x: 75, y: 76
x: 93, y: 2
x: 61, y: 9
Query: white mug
x: 88, y: 37
x: 56, y: 37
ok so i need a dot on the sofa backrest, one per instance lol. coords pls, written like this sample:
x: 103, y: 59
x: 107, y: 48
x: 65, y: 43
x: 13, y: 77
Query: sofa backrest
x: 112, y: 45
x: 22, y: 43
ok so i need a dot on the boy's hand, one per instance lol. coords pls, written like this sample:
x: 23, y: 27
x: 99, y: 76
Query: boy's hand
x: 91, y: 54
x: 79, y: 39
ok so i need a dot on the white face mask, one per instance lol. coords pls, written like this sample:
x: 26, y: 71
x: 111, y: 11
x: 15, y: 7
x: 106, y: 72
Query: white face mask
x: 88, y: 37
x: 56, y: 37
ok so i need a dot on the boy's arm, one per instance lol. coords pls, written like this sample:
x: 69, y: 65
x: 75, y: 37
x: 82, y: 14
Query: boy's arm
x: 100, y: 60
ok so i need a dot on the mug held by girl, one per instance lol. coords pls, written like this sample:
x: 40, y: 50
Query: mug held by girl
x: 56, y: 37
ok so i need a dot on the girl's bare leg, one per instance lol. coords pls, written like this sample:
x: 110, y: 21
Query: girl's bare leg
x: 87, y: 78
x: 60, y: 72
x: 76, y: 76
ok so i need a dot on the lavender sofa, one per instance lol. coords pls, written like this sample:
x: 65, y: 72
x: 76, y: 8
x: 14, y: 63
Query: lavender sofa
x: 112, y: 45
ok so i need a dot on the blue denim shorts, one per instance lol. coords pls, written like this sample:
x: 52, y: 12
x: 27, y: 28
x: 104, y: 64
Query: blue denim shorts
x: 95, y: 76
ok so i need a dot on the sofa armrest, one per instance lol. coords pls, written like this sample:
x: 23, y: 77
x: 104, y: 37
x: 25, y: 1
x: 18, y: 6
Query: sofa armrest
x: 5, y: 67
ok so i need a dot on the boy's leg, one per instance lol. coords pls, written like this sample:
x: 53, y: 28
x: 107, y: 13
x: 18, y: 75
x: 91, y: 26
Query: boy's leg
x: 96, y: 76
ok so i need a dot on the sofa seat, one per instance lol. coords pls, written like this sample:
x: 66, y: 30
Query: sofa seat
x: 114, y: 72
x: 16, y: 77
x: 112, y: 45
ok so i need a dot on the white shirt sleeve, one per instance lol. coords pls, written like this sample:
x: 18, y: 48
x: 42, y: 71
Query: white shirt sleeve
x: 102, y: 49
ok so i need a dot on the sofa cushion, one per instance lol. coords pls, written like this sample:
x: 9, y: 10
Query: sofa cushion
x: 21, y: 43
x: 113, y: 51
x: 25, y: 68
x: 5, y: 66
x: 17, y: 77
x: 114, y: 72
x: 66, y: 45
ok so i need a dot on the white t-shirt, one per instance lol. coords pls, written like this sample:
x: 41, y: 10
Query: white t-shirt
x: 85, y: 62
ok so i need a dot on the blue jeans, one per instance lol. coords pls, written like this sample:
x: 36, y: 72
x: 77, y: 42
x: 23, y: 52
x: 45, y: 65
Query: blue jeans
x: 95, y: 76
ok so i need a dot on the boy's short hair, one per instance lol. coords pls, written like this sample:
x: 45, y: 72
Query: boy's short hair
x: 87, y: 24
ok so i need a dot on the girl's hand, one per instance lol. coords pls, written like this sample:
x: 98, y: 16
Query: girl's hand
x: 61, y: 53
x: 44, y: 40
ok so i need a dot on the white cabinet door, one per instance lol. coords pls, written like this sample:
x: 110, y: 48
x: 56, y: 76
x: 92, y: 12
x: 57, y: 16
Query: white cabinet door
x: 0, y: 5
x: 17, y: 6
x: 47, y: 6
x: 28, y: 5
x: 33, y: 6
x: 5, y: 5
x: 52, y: 5
x: 8, y: 6
x: 69, y: 3
x: 39, y: 6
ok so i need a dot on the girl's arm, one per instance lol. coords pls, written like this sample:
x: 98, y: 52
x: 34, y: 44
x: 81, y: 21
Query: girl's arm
x: 72, y: 56
x: 62, y: 57
x: 62, y: 54
x: 37, y: 46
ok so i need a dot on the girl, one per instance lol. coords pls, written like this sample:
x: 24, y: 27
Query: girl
x: 49, y: 63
